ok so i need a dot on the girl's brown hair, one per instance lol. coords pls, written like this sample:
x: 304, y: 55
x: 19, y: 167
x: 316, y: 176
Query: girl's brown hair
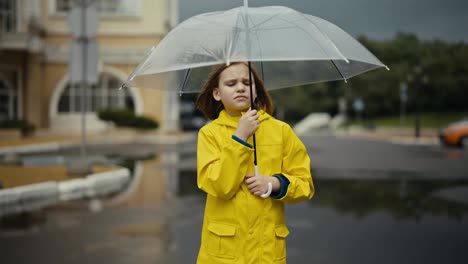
x: 211, y: 108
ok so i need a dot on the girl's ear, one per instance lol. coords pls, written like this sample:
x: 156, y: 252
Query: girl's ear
x: 216, y: 94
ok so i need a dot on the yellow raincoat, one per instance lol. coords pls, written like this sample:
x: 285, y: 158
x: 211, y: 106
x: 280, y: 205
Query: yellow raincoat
x: 239, y: 227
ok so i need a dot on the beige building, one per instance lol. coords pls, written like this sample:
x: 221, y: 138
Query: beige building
x: 34, y: 61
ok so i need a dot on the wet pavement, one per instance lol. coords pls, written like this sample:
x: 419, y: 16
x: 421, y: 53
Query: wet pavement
x: 376, y: 202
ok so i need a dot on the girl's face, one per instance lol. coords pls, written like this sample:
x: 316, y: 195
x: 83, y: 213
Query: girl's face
x: 234, y: 89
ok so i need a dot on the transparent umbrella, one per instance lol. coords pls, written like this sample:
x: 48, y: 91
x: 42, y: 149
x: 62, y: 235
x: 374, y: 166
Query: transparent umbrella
x: 288, y: 47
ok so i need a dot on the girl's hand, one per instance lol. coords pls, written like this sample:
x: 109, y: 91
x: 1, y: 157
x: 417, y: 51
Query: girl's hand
x: 258, y: 185
x: 248, y: 124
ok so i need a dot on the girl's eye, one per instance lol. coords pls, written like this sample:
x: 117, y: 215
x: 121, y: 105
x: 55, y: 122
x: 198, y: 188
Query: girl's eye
x: 246, y: 83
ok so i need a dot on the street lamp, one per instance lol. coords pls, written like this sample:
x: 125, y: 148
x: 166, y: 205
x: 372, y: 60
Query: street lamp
x: 417, y: 78
x: 403, y: 100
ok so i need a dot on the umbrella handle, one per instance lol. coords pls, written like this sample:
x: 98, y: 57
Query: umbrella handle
x: 270, y: 186
x: 267, y: 194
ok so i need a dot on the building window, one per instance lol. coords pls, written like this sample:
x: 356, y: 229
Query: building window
x: 63, y: 5
x: 105, y: 7
x: 8, y: 18
x: 106, y: 94
x: 8, y: 100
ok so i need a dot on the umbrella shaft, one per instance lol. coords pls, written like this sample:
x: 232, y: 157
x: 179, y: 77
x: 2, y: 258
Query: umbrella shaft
x: 252, y: 106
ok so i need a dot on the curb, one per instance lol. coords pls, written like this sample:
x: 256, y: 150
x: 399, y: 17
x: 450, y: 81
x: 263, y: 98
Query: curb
x: 54, y: 146
x: 39, y: 195
x: 34, y: 148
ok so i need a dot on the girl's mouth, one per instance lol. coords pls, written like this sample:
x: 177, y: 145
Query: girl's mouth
x: 241, y: 97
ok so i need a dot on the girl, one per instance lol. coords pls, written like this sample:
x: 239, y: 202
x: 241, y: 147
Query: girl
x: 239, y: 226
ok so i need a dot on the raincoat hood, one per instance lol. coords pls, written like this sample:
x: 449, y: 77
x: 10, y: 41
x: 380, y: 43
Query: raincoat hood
x: 225, y: 119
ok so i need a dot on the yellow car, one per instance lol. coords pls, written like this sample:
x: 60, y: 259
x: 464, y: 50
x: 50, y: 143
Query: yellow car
x: 455, y: 134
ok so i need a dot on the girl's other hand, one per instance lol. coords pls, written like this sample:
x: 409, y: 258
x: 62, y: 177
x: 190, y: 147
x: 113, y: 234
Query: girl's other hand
x: 248, y: 124
x: 258, y: 185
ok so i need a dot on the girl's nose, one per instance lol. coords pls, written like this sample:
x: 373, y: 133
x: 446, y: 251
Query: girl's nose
x: 241, y: 87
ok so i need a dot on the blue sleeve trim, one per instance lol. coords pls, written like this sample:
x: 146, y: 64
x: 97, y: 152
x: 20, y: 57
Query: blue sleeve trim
x: 284, y: 184
x: 241, y: 141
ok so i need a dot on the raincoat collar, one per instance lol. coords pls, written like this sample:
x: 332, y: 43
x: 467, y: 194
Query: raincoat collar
x: 225, y: 119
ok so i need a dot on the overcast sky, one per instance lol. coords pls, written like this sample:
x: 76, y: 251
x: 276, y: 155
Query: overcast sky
x: 377, y: 19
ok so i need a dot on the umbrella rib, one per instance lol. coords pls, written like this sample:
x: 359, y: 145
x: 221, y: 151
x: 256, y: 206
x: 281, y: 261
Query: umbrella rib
x: 260, y: 51
x: 338, y: 70
x: 266, y: 20
x: 307, y: 33
x: 144, y: 66
x: 326, y: 36
x: 210, y: 52
x: 232, y: 43
x: 187, y: 73
x: 202, y: 46
x: 333, y: 44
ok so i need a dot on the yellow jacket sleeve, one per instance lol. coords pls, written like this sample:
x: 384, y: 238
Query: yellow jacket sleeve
x: 296, y: 168
x: 221, y: 164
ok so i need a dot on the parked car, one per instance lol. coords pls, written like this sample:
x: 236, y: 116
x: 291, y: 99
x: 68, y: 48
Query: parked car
x: 193, y: 122
x: 191, y: 118
x: 455, y: 134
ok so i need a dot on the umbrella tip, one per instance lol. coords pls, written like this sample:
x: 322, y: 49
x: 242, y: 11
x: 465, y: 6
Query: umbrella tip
x: 345, y: 80
x: 387, y: 68
x: 228, y: 62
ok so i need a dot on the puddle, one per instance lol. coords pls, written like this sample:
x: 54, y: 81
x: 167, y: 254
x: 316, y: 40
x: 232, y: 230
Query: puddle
x: 399, y: 217
x: 402, y: 194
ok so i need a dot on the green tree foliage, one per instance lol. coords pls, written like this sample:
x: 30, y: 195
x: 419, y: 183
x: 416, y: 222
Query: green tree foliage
x: 435, y: 72
x: 23, y: 125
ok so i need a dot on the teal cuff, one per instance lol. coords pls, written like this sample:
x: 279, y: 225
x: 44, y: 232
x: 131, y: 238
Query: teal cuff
x: 241, y: 141
x: 284, y: 184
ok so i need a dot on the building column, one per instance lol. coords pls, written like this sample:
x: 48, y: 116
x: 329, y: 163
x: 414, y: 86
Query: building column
x: 33, y: 91
x: 172, y: 98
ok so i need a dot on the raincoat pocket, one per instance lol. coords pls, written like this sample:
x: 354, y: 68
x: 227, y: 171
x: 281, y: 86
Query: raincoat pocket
x: 281, y: 232
x: 221, y: 240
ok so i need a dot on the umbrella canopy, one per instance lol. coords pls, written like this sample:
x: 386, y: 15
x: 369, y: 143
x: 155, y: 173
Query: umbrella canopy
x: 293, y: 49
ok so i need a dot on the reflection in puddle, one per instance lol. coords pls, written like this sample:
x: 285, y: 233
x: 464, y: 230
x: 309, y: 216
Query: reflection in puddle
x: 23, y: 221
x: 147, y: 186
x: 401, y: 198
x: 410, y: 199
x: 453, y: 154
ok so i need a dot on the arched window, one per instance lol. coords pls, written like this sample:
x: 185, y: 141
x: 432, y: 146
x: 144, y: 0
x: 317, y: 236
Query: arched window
x: 106, y: 94
x: 8, y: 100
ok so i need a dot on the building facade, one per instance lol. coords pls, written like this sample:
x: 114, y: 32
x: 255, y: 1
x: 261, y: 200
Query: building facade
x: 35, y: 42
